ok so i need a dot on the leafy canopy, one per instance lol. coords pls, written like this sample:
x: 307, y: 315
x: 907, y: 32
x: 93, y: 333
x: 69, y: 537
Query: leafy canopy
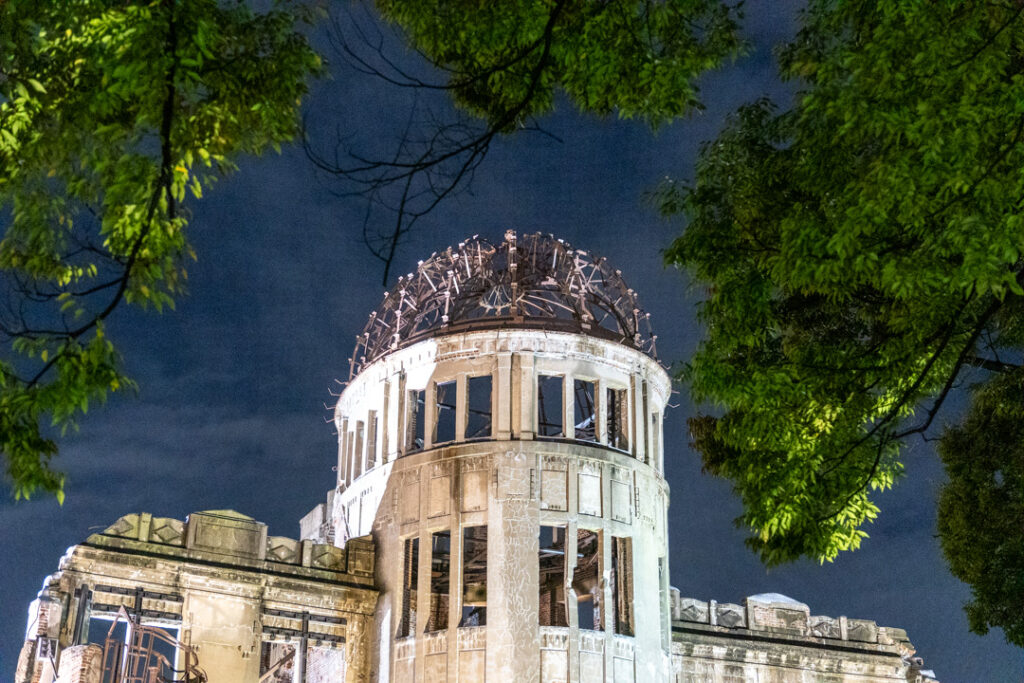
x: 981, y: 508
x: 504, y: 60
x: 857, y: 252
x: 112, y: 115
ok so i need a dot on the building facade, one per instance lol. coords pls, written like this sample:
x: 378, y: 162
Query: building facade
x: 500, y: 513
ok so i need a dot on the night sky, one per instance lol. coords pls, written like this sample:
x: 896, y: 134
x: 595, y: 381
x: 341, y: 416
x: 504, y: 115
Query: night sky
x: 233, y: 409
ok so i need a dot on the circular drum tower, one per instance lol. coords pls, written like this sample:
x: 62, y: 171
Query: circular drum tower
x: 500, y: 438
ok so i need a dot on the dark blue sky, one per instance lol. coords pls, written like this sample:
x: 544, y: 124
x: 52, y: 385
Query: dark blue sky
x: 234, y: 397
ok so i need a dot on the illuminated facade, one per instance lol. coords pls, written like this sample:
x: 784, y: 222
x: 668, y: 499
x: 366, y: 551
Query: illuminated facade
x: 500, y: 514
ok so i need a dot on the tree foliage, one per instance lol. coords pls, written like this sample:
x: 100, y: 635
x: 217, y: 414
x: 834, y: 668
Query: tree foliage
x: 112, y: 115
x: 858, y: 252
x: 981, y: 507
x: 503, y: 63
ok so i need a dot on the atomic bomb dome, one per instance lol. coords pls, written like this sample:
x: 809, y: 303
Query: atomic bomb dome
x: 530, y: 281
x: 500, y: 513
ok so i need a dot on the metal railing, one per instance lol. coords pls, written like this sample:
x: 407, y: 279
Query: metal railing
x: 135, y: 658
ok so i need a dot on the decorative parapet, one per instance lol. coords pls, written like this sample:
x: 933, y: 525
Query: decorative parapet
x: 224, y: 534
x: 777, y: 615
x: 771, y: 632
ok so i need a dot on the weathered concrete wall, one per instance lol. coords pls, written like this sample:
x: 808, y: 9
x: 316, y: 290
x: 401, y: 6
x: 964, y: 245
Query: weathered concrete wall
x: 218, y: 582
x: 513, y: 482
x: 774, y: 638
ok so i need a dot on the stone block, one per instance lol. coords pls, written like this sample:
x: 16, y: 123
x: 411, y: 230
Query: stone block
x: 779, y: 618
x: 591, y: 666
x: 227, y: 532
x: 409, y: 504
x: 553, y: 490
x: 730, y: 616
x: 824, y: 627
x: 554, y: 666
x: 474, y: 490
x: 439, y: 503
x: 360, y: 556
x: 328, y: 557
x: 691, y: 609
x: 124, y: 527
x: 590, y: 494
x: 284, y: 550
x: 622, y: 670
x: 514, y: 477
x: 472, y: 666
x: 435, y: 667
x: 862, y: 630
x: 166, y: 531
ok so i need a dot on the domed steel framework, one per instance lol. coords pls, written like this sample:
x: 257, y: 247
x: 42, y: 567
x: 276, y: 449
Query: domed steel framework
x: 528, y: 281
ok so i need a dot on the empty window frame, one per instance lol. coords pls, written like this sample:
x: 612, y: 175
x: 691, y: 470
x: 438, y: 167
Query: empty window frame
x: 663, y: 601
x: 444, y: 412
x: 277, y: 661
x: 343, y: 451
x: 371, y: 440
x: 161, y: 660
x: 440, y: 579
x: 551, y: 577
x: 410, y: 576
x: 549, y: 405
x: 359, y: 449
x: 644, y: 440
x: 350, y: 463
x: 417, y: 417
x: 586, y: 580
x: 656, y: 441
x: 478, y: 406
x: 584, y: 411
x: 622, y: 585
x: 474, y: 576
x: 616, y: 417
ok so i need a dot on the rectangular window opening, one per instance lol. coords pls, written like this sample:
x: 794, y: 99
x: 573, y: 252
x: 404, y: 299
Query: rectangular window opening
x: 645, y: 440
x: 663, y: 599
x: 584, y: 411
x: 478, y: 420
x: 410, y: 576
x: 359, y: 448
x: 417, y: 418
x: 444, y: 413
x: 549, y: 405
x: 350, y: 465
x: 371, y: 440
x: 586, y: 580
x: 656, y: 440
x: 622, y: 584
x: 551, y: 566
x: 101, y: 627
x: 617, y: 419
x: 277, y: 661
x: 343, y: 452
x: 440, y: 579
x: 474, y: 576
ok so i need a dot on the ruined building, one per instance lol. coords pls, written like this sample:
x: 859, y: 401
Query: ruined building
x: 500, y: 514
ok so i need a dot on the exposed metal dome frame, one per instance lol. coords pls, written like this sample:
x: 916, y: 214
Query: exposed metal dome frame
x: 533, y: 281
